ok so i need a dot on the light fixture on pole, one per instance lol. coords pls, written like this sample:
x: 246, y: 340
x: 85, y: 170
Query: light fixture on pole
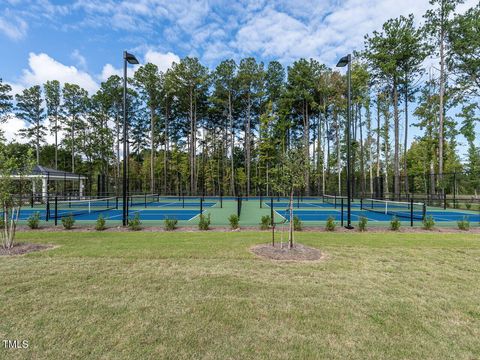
x: 347, y: 60
x: 130, y: 59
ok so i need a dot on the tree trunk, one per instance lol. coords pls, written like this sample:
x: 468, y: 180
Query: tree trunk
x: 232, y: 146
x: 396, y: 160
x: 405, y: 140
x: 152, y: 150
x: 165, y: 155
x: 306, y: 123
x: 247, y: 144
x: 362, y: 160
x: 441, y: 105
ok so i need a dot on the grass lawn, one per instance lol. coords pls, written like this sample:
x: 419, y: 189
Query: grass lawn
x: 204, y: 295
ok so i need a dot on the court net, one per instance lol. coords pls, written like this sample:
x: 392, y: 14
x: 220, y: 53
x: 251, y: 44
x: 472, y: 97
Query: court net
x: 58, y: 209
x: 143, y: 199
x: 404, y: 209
x: 335, y: 200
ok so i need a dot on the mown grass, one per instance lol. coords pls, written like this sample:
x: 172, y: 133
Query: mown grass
x: 204, y: 295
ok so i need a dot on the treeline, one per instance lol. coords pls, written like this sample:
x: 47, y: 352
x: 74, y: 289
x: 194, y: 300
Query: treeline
x: 195, y: 130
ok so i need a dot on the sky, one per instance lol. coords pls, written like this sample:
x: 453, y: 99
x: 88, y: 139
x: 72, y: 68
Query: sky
x: 82, y: 41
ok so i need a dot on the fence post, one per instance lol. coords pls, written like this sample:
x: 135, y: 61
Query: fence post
x: 411, y: 212
x: 56, y: 211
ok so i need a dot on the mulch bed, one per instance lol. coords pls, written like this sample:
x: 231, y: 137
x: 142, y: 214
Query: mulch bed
x: 299, y: 252
x: 23, y: 248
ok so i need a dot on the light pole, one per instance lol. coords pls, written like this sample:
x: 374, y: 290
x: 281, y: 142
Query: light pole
x: 131, y: 59
x: 347, y: 60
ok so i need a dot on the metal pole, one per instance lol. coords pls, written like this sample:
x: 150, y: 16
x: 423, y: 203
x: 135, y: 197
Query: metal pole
x: 124, y: 217
x: 349, y: 185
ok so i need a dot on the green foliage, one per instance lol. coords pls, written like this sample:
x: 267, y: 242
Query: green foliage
x: 68, y: 222
x: 362, y: 223
x: 464, y: 224
x: 34, y: 220
x: 2, y: 223
x: 265, y: 222
x: 468, y: 205
x: 395, y: 224
x: 297, y: 224
x: 331, y: 224
x: 100, y: 224
x: 204, y: 222
x: 170, y: 224
x: 134, y: 223
x: 234, y: 221
x: 428, y: 223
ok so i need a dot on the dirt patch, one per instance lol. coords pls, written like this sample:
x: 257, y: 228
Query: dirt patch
x: 24, y: 248
x: 278, y: 252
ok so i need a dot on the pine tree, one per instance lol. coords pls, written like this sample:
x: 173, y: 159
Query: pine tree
x: 30, y: 109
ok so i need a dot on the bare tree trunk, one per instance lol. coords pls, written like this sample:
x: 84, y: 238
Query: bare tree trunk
x: 441, y: 105
x: 232, y: 146
x: 396, y: 157
x: 339, y: 164
x: 306, y: 123
x: 378, y: 135
x: 165, y: 155
x: 152, y: 150
x: 362, y: 160
x: 405, y: 141
x: 247, y: 144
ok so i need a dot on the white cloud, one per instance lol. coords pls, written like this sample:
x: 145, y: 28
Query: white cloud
x: 11, y: 127
x: 162, y: 60
x: 109, y: 70
x: 42, y: 68
x: 79, y: 58
x: 14, y: 28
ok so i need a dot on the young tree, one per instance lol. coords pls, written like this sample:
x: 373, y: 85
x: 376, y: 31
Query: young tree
x: 12, y: 180
x: 291, y: 179
x: 53, y: 98
x: 30, y: 109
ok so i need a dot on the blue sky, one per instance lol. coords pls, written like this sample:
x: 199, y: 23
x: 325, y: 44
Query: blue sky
x: 82, y: 41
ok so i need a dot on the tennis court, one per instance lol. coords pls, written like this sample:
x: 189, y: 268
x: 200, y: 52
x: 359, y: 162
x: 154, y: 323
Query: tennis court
x: 312, y: 211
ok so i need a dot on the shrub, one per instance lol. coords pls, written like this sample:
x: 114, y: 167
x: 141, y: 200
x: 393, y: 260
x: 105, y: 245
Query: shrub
x: 297, y: 224
x: 464, y: 224
x: 170, y: 224
x: 395, y: 224
x: 362, y: 223
x: 134, y: 223
x: 2, y: 223
x: 100, y: 224
x: 468, y: 205
x: 68, y: 222
x: 233, y: 220
x: 34, y: 220
x: 428, y: 223
x: 204, y: 223
x: 265, y: 222
x: 330, y: 226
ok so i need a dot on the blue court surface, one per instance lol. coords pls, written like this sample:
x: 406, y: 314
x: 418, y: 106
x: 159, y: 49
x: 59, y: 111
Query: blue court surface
x: 145, y: 214
x: 324, y: 214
